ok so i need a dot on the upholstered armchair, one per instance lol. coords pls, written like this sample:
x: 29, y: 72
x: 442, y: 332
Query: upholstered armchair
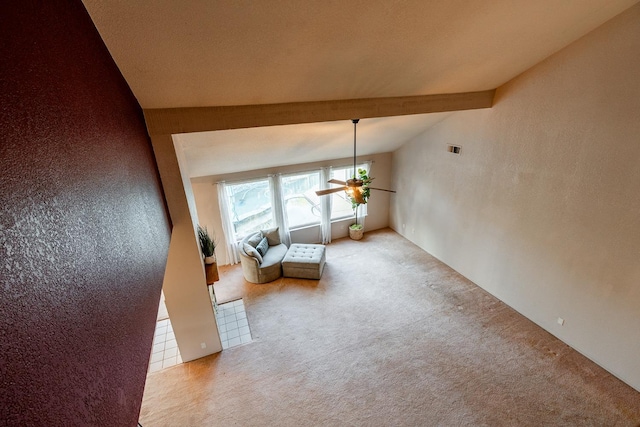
x: 261, y: 256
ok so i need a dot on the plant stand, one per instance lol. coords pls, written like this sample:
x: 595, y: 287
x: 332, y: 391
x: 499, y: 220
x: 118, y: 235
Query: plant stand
x: 211, y: 271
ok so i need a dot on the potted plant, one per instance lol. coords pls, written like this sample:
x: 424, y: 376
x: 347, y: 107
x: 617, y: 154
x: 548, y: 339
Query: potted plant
x: 357, y: 198
x: 208, y: 247
x: 356, y: 231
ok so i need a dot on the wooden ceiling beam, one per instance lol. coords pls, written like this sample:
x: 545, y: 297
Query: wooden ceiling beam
x: 166, y: 121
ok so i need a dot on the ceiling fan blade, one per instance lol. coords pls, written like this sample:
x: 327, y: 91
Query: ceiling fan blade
x: 329, y: 191
x: 337, y: 181
x: 382, y: 189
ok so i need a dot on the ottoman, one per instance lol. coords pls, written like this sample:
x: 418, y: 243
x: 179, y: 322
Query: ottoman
x: 304, y: 261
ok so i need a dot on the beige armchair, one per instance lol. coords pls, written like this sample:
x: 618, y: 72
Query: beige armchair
x: 258, y: 268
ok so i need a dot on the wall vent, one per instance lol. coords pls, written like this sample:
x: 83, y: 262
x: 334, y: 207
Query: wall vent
x: 455, y: 149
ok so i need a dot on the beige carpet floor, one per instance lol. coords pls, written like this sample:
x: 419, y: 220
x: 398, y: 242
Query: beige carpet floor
x: 388, y: 337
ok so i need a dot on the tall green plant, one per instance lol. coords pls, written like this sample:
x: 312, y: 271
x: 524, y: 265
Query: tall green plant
x: 366, y: 191
x: 207, y: 244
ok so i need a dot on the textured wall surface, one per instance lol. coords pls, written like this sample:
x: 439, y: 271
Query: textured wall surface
x: 541, y: 206
x: 83, y: 228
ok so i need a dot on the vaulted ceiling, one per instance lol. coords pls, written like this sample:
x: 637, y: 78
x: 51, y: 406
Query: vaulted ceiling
x: 200, y: 53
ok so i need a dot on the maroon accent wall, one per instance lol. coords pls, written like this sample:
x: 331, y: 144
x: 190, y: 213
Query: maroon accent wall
x: 84, y: 233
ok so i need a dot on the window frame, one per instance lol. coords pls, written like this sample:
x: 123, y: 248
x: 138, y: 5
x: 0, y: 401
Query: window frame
x: 229, y: 185
x: 348, y: 169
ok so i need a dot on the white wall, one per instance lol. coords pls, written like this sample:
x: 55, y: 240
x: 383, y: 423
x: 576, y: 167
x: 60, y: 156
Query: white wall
x: 184, y: 286
x: 206, y: 198
x: 542, y: 207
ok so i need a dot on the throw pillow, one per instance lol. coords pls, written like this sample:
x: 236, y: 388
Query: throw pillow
x: 272, y: 235
x: 263, y: 246
x: 254, y: 239
x: 251, y: 251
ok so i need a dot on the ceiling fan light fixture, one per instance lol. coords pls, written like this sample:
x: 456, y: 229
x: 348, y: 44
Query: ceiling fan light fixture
x: 357, y: 194
x: 357, y: 188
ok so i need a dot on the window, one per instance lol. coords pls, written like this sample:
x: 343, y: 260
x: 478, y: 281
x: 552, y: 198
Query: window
x: 301, y: 202
x: 250, y: 205
x: 250, y: 210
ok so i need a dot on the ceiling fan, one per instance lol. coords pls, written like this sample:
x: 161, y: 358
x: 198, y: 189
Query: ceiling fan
x: 357, y: 188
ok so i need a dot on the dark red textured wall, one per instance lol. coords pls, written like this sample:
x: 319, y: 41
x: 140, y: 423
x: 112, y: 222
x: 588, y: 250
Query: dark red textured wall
x: 83, y: 228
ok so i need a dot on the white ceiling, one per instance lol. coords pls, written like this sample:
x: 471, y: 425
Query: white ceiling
x: 195, y: 53
x: 303, y: 143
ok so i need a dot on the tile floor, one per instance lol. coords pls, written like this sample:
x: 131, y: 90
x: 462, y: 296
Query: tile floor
x: 232, y: 324
x: 165, y: 351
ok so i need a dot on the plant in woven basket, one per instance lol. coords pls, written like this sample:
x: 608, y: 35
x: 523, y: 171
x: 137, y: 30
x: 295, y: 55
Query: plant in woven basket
x: 207, y: 243
x: 208, y: 248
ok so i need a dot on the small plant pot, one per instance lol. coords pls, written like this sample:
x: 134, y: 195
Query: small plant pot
x: 356, y: 234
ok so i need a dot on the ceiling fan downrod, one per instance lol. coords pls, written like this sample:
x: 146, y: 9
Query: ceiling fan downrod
x: 355, y: 122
